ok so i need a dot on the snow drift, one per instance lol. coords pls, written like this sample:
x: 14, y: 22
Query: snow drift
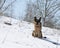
x: 19, y: 35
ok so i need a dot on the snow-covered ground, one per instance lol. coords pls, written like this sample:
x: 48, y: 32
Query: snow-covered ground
x: 20, y: 36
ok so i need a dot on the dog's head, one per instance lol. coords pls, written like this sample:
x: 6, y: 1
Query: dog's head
x: 37, y: 21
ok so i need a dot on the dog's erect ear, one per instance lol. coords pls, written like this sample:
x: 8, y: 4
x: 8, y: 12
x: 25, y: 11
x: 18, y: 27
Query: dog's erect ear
x: 35, y: 19
x: 39, y: 19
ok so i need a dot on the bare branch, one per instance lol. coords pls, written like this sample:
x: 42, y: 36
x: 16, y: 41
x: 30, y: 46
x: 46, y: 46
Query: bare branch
x: 52, y: 11
x: 56, y: 11
x: 8, y: 6
x: 2, y: 4
x: 45, y: 8
x: 50, y: 5
x: 55, y: 1
x: 39, y: 8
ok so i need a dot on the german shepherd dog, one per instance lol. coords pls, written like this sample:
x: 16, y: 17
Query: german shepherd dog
x: 37, y: 26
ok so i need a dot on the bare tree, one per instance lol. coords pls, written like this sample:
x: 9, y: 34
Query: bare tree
x: 29, y: 11
x: 2, y: 8
x: 47, y: 10
x: 44, y: 8
x: 51, y: 7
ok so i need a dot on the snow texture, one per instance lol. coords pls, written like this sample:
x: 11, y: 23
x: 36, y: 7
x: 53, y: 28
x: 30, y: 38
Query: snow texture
x: 19, y: 35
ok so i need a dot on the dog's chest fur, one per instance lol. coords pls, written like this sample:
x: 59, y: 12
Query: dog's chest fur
x: 37, y: 27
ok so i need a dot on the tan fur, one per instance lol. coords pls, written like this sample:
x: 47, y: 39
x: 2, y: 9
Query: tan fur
x: 37, y: 32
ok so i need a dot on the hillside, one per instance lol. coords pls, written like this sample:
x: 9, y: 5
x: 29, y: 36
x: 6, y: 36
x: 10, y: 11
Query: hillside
x: 15, y: 36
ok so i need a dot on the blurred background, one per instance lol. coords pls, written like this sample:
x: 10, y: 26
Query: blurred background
x: 48, y: 10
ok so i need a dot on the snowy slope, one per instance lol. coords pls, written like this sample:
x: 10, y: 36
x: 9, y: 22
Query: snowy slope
x: 20, y: 37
